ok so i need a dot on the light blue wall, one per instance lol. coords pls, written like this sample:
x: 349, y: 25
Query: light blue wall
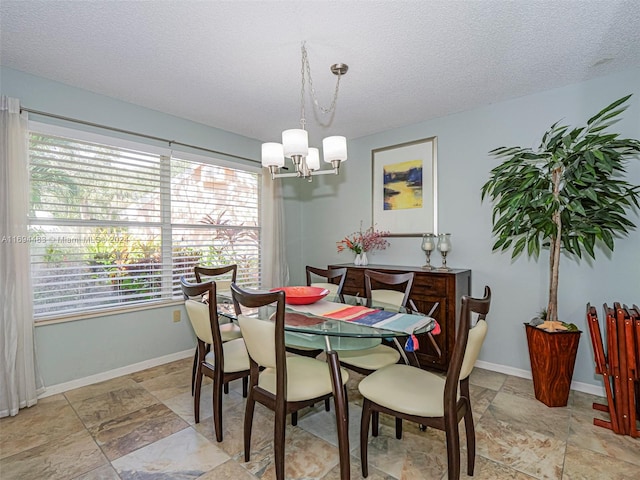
x: 73, y: 350
x: 323, y: 212
x: 333, y: 207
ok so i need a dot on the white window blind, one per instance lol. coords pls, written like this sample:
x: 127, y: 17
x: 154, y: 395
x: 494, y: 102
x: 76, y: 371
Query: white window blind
x: 114, y: 227
x: 214, y: 220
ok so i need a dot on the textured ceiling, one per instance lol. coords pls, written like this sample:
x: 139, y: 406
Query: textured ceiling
x: 235, y: 65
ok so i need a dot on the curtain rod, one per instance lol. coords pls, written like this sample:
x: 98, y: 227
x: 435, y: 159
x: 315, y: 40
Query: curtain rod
x: 129, y: 132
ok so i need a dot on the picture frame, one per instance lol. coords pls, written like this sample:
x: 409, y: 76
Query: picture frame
x: 405, y: 193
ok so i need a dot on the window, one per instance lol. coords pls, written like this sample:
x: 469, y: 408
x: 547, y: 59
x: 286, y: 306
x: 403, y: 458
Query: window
x: 115, y: 225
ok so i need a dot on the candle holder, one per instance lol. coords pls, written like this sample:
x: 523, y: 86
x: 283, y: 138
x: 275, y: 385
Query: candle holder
x: 444, y: 246
x: 428, y: 245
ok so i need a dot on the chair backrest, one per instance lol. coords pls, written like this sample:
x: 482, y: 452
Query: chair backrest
x: 468, y: 341
x: 398, y: 298
x: 203, y: 315
x: 228, y: 272
x: 330, y: 274
x: 264, y: 338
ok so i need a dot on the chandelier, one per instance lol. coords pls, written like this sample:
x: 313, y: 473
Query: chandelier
x: 295, y: 142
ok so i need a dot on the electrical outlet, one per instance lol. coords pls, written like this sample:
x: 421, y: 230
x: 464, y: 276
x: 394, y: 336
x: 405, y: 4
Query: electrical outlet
x: 176, y: 315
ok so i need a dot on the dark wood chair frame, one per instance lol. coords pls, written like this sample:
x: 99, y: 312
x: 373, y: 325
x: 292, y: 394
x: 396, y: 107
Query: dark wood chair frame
x: 277, y: 402
x: 215, y: 372
x: 329, y: 274
x: 200, y: 271
x: 210, y: 272
x: 387, y: 279
x: 454, y: 410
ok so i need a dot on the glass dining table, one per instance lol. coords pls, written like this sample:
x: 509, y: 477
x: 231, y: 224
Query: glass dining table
x: 304, y: 329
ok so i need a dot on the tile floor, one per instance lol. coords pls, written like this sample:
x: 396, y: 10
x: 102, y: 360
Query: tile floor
x: 141, y: 426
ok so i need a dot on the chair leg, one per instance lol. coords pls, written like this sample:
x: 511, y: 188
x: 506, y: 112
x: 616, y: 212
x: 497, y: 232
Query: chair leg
x: 364, y: 435
x: 193, y: 373
x: 398, y: 428
x: 278, y: 441
x: 327, y: 405
x: 248, y: 421
x: 453, y: 448
x: 245, y: 382
x: 374, y: 424
x: 294, y: 418
x: 469, y: 427
x: 346, y: 404
x: 217, y: 407
x: 196, y: 395
x: 226, y: 388
x: 471, y: 440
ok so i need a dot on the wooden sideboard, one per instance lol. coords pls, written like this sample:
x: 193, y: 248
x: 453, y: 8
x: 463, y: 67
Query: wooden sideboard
x: 429, y: 287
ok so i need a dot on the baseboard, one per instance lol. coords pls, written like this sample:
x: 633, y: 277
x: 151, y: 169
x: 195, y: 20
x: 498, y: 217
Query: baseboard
x: 518, y: 372
x: 154, y: 362
x: 118, y: 372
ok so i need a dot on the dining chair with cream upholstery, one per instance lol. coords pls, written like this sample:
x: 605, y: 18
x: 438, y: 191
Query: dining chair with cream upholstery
x: 223, y: 276
x: 397, y: 298
x: 224, y: 361
x: 338, y: 274
x: 420, y: 396
x: 283, y: 383
x: 371, y: 359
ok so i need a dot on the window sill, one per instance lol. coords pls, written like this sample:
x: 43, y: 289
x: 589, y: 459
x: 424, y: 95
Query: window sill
x: 106, y: 313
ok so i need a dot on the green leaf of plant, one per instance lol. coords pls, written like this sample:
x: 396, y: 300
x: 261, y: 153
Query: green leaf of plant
x: 592, y: 197
x: 607, y: 109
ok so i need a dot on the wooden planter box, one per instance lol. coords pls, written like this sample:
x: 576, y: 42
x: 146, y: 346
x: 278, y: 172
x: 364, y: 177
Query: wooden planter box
x: 552, y: 356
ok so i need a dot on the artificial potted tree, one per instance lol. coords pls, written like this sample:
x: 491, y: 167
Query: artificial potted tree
x: 568, y: 195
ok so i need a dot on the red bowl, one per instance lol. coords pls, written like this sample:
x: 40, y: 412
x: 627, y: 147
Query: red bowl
x: 302, y: 295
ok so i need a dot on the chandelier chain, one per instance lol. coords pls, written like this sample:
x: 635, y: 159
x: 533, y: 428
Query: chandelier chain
x: 305, y: 65
x: 302, y: 113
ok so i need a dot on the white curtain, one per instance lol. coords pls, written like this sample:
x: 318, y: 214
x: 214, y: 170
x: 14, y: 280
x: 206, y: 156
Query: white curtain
x: 19, y: 381
x: 275, y: 271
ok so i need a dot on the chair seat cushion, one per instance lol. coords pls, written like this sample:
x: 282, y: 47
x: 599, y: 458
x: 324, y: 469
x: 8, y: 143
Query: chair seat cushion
x: 371, y: 358
x: 307, y: 378
x: 230, y: 331
x: 406, y: 389
x: 236, y: 358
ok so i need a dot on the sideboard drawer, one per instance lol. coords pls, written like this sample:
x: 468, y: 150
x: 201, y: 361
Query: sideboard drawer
x: 434, y: 284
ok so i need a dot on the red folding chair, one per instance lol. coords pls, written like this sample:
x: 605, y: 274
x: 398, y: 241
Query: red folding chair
x: 614, y: 362
x: 623, y: 356
x: 602, y: 368
x: 632, y: 368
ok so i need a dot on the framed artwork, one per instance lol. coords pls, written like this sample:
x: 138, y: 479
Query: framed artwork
x: 405, y: 188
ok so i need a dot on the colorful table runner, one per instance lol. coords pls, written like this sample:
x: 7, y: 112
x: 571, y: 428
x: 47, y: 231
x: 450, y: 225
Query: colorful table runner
x: 372, y: 317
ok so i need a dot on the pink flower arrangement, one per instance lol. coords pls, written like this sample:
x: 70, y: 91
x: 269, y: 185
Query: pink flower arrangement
x: 359, y: 242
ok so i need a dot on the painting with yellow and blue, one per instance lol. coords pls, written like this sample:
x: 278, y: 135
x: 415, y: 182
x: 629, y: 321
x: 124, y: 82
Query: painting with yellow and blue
x: 402, y: 185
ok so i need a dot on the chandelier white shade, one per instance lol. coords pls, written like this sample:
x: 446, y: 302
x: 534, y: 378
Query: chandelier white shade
x: 272, y: 155
x: 313, y: 159
x: 295, y: 141
x: 334, y: 148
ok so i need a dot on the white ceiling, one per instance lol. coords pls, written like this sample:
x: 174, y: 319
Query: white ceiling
x: 235, y: 65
